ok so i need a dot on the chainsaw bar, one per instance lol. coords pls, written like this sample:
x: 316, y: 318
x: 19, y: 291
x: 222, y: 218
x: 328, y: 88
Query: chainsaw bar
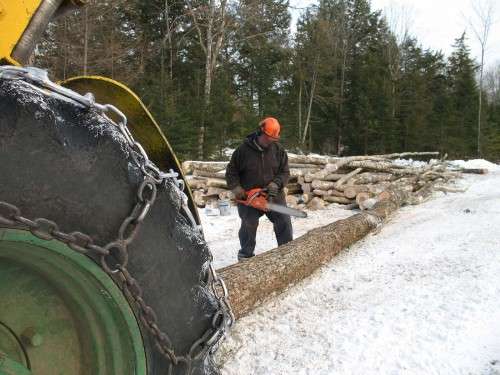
x: 286, y: 210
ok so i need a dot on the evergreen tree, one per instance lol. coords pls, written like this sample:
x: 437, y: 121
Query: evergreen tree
x: 491, y: 131
x: 261, y: 55
x: 344, y: 83
x: 461, y: 130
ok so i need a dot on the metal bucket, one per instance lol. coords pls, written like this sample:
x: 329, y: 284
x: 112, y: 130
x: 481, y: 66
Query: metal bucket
x: 224, y: 207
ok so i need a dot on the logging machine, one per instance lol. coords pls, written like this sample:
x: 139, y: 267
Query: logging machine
x: 103, y: 265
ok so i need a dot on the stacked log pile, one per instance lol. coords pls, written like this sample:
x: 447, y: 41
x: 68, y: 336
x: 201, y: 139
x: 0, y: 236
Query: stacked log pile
x: 207, y: 178
x: 317, y: 181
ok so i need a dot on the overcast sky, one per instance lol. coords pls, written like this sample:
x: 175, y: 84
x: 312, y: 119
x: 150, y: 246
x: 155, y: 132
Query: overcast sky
x: 437, y: 23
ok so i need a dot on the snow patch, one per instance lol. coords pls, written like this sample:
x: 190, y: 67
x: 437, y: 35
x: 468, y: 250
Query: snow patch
x: 476, y: 163
x: 410, y: 163
x: 420, y: 297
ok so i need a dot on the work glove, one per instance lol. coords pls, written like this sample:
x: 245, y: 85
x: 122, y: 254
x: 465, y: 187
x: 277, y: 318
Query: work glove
x: 239, y: 193
x: 272, y: 189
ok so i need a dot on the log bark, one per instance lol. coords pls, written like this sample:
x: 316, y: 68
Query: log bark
x: 306, y: 197
x: 252, y: 282
x: 339, y: 162
x: 310, y: 159
x: 196, y: 182
x: 347, y: 177
x: 226, y: 194
x: 387, y: 166
x: 361, y: 198
x: 474, y: 170
x: 305, y: 161
x: 448, y: 189
x: 423, y: 194
x: 316, y: 204
x: 336, y: 199
x: 304, y: 165
x: 328, y: 193
x: 367, y: 200
x: 215, y: 191
x: 344, y: 161
x: 350, y: 206
x: 210, y: 166
x: 216, y: 182
x: 322, y: 185
x: 406, y: 154
x: 353, y: 190
x: 205, y: 173
x: 322, y: 174
x: 293, y: 188
x: 371, y: 178
x: 198, y: 197
x: 306, y: 187
x: 378, y: 165
x: 292, y: 201
x: 299, y: 172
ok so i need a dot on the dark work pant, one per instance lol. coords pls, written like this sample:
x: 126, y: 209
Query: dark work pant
x: 250, y: 221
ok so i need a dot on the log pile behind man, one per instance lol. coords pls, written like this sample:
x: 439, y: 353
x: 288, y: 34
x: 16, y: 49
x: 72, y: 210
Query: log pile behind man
x: 317, y: 181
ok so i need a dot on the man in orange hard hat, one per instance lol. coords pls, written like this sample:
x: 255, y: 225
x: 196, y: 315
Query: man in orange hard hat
x: 260, y: 162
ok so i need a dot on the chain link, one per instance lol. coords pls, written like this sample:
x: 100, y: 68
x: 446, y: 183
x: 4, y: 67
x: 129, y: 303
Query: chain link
x: 113, y: 256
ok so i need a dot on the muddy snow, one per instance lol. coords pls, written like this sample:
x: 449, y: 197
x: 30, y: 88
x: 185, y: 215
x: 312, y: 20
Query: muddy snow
x: 420, y: 297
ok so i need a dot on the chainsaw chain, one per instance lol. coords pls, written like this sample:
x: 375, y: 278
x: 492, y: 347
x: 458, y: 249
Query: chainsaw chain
x: 113, y: 257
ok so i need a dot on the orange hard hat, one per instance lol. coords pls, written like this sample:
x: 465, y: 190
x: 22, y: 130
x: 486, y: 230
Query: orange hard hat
x: 270, y: 127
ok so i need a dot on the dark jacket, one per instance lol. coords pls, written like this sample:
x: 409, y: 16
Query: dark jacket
x: 253, y: 166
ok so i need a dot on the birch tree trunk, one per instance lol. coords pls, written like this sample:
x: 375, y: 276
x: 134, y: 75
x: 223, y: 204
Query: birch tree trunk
x: 341, y: 100
x: 311, y: 97
x: 484, y: 15
x: 300, y: 109
x: 211, y: 44
x: 85, y: 40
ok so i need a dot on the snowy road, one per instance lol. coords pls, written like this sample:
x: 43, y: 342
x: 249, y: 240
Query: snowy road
x: 420, y: 297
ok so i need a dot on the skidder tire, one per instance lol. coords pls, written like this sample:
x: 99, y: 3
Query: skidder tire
x: 66, y: 163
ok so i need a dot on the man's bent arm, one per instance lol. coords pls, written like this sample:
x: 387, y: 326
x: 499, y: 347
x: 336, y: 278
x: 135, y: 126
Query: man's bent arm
x: 233, y: 171
x: 281, y: 178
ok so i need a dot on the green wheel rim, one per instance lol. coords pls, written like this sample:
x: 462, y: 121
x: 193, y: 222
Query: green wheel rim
x: 61, y: 314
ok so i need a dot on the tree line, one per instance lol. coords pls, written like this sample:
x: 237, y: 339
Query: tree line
x: 344, y: 82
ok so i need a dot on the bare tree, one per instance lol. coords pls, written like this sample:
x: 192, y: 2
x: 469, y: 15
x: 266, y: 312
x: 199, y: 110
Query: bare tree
x: 171, y: 23
x: 480, y: 23
x: 301, y: 83
x: 492, y: 83
x: 311, y: 98
x: 398, y: 18
x: 210, y: 24
x: 85, y: 40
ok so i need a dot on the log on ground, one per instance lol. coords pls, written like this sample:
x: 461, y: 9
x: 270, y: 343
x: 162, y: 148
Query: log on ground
x: 205, y: 173
x: 209, y: 166
x: 340, y: 200
x: 310, y: 159
x: 216, y: 182
x: 474, y: 170
x: 252, y: 282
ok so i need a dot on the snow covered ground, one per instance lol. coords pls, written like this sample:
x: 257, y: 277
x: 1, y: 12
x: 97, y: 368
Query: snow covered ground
x: 420, y: 297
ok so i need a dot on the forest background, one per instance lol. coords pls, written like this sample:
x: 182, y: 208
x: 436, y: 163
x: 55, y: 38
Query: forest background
x: 347, y: 81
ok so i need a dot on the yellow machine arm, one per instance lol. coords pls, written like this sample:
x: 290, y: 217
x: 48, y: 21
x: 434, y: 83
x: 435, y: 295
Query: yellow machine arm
x: 23, y: 22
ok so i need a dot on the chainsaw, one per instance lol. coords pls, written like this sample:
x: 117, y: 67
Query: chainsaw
x: 258, y: 198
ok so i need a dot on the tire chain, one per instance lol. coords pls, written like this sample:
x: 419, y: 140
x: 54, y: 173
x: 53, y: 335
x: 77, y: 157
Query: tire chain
x: 116, y: 251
